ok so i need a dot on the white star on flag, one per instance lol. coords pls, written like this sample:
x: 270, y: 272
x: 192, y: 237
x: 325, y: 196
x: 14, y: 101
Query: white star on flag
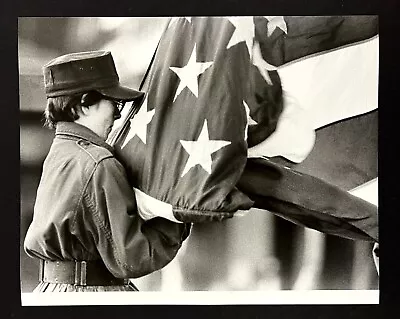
x: 275, y: 22
x: 244, y: 31
x: 262, y: 65
x: 189, y: 74
x: 139, y: 124
x: 200, y: 151
x: 250, y: 121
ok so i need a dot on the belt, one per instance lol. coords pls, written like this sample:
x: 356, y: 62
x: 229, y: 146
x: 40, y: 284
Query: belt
x: 79, y: 273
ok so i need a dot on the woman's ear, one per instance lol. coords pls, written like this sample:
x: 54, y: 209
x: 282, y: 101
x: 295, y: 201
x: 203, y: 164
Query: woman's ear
x: 85, y: 100
x: 85, y: 103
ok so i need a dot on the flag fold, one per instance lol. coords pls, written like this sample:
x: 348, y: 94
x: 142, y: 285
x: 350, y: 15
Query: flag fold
x: 208, y: 97
x: 213, y: 92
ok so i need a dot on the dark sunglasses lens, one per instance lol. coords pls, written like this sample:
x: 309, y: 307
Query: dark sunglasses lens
x: 120, y: 105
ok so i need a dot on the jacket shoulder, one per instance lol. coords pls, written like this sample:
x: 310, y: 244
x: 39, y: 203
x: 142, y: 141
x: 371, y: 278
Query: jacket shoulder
x: 96, y: 152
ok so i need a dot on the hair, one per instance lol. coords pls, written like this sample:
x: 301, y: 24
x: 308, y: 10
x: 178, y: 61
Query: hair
x: 65, y: 108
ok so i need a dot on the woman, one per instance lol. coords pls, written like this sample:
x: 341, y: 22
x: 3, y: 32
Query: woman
x: 86, y: 230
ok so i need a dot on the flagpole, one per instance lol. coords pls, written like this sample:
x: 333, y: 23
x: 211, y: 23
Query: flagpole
x: 135, y: 106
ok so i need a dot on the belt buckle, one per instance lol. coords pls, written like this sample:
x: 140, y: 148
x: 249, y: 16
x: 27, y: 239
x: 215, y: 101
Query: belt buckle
x: 80, y: 273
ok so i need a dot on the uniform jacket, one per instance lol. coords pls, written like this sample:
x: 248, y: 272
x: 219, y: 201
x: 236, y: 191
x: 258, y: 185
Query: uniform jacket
x: 85, y: 209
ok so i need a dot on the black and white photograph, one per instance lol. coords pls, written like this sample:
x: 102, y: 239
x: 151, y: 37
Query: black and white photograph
x: 206, y: 160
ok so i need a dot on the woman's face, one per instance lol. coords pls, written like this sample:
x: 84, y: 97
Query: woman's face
x: 101, y: 117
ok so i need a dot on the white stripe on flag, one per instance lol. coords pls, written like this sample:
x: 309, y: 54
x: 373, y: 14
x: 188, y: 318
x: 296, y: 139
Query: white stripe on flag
x: 321, y: 90
x: 367, y: 191
x: 294, y: 136
x: 150, y: 207
x: 335, y: 85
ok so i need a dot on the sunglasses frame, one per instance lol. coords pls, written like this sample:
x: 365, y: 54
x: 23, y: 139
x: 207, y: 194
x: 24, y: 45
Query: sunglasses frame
x: 119, y: 104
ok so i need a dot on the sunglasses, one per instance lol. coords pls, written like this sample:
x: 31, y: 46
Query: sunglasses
x: 118, y: 103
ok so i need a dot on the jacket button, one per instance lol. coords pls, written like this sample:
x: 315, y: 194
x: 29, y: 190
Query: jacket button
x: 83, y: 143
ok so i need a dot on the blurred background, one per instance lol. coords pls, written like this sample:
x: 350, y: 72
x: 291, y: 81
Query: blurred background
x: 257, y: 251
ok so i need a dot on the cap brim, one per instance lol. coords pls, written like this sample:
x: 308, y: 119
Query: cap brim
x: 121, y: 93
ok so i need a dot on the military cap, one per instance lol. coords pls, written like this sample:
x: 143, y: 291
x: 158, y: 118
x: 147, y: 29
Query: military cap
x: 83, y: 72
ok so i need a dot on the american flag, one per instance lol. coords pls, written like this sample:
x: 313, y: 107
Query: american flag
x: 330, y: 119
x: 216, y: 94
x: 187, y: 145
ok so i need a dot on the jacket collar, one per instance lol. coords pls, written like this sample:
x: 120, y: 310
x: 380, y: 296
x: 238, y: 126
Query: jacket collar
x: 79, y: 131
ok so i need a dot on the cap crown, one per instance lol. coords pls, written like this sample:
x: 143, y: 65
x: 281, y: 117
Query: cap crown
x: 80, y: 72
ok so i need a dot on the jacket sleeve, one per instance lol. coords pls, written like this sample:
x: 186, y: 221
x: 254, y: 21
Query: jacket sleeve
x: 129, y: 246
